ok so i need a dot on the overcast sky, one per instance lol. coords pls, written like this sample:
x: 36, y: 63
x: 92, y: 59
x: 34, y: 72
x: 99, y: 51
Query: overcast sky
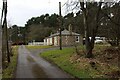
x: 19, y: 11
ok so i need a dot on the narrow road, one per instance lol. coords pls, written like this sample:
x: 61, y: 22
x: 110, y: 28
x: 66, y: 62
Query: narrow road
x: 0, y: 51
x: 31, y: 65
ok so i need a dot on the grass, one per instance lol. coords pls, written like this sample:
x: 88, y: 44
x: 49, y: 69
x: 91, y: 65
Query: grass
x: 10, y: 70
x: 0, y: 73
x: 37, y: 47
x: 0, y: 76
x: 78, y: 66
x: 61, y: 58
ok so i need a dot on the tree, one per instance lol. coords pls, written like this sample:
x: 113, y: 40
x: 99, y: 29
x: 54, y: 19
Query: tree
x: 75, y: 20
x: 68, y: 19
x: 14, y: 33
x: 86, y: 9
x: 37, y: 28
x: 38, y: 32
x: 110, y: 23
x: 115, y: 29
x: 91, y: 17
x: 79, y: 27
x: 52, y: 21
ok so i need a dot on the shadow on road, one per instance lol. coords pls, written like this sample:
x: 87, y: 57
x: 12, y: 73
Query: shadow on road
x: 31, y: 65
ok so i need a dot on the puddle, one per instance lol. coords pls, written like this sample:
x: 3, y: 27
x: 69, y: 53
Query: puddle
x: 38, y: 72
x: 30, y: 59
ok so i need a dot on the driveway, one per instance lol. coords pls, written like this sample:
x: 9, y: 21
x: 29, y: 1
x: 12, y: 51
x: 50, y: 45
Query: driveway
x: 31, y: 65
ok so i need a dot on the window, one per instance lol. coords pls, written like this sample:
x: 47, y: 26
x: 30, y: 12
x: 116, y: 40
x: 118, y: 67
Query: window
x: 77, y: 38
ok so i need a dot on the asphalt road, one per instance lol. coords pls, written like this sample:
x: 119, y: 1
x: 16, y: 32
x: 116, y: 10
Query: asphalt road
x: 31, y: 65
x: 0, y: 52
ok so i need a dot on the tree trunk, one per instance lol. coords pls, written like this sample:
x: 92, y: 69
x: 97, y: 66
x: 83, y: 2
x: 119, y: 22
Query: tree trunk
x: 117, y: 42
x: 87, y: 40
x: 89, y: 43
x: 89, y: 52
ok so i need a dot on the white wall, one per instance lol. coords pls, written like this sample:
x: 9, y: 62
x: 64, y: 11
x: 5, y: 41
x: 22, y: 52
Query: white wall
x: 36, y: 43
x: 50, y: 41
x: 47, y: 41
x: 55, y: 41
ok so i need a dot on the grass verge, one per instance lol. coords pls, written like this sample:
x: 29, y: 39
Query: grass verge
x: 37, y: 47
x: 78, y: 65
x: 10, y: 70
x: 61, y: 58
x: 0, y: 76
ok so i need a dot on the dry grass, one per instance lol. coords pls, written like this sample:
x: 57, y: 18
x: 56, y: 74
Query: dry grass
x: 81, y: 67
x: 9, y: 71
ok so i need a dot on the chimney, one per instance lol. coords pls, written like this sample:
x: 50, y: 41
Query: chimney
x: 51, y: 34
x: 70, y: 29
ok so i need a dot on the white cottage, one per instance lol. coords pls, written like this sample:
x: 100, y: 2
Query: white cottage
x: 68, y: 38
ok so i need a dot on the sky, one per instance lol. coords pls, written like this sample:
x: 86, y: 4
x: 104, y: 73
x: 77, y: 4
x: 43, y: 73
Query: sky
x: 19, y: 11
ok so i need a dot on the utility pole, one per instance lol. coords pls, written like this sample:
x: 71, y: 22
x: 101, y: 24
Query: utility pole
x: 6, y: 32
x: 5, y: 44
x: 60, y: 40
x: 1, y: 46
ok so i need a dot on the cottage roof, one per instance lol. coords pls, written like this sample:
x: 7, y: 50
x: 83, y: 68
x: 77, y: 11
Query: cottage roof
x: 65, y: 32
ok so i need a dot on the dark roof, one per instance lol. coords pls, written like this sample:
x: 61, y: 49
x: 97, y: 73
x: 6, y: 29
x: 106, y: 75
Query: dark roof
x: 65, y: 32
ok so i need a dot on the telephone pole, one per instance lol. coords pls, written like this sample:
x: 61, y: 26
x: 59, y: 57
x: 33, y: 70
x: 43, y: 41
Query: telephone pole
x: 60, y: 41
x: 5, y: 45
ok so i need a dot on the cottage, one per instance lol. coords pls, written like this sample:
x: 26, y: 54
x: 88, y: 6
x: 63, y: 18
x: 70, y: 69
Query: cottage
x: 69, y: 38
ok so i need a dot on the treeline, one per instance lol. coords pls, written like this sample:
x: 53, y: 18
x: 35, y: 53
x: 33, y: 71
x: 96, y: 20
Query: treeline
x: 40, y: 27
x: 37, y: 28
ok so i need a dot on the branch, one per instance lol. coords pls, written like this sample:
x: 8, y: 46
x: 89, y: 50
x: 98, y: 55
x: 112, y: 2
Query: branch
x: 96, y: 26
x: 110, y: 18
x: 75, y: 5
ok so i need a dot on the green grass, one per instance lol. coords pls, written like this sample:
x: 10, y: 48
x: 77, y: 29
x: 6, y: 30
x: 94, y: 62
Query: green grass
x: 0, y: 76
x: 10, y: 70
x: 80, y: 69
x: 61, y: 58
x: 37, y: 47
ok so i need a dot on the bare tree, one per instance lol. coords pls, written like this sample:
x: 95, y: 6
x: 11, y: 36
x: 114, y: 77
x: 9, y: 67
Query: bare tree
x: 90, y: 20
x: 89, y: 43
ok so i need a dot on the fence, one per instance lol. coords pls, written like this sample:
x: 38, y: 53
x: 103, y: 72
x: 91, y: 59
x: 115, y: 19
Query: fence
x: 36, y: 43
